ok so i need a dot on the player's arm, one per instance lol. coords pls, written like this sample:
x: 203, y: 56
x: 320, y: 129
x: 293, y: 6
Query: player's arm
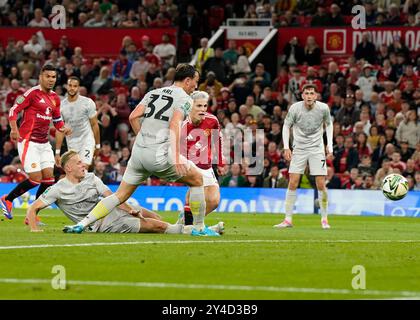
x: 32, y: 212
x: 58, y: 120
x: 221, y: 165
x: 175, y: 133
x: 59, y: 137
x: 96, y: 133
x: 329, y: 131
x: 47, y: 198
x: 22, y: 102
x: 288, y: 122
x: 135, y: 116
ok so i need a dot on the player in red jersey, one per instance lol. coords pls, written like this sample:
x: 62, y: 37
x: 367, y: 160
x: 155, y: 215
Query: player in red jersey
x: 202, y: 136
x: 40, y: 105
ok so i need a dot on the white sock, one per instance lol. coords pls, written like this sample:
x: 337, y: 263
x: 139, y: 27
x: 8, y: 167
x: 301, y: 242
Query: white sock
x: 323, y: 203
x: 174, y: 229
x: 290, y: 203
x: 198, y: 206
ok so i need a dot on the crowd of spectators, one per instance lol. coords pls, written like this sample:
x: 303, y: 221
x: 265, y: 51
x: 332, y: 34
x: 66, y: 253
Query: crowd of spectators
x: 374, y: 95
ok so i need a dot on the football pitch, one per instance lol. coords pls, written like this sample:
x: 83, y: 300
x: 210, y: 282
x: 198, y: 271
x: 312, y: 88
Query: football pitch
x: 251, y: 261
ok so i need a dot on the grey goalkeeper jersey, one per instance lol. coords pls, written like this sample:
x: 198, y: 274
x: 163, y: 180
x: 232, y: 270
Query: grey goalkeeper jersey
x: 75, y: 200
x: 77, y: 116
x: 160, y: 106
x: 308, y: 124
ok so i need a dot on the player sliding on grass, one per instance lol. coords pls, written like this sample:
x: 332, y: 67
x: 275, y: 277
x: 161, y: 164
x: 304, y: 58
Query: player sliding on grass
x: 307, y: 118
x: 78, y: 193
x: 157, y: 122
x: 197, y: 135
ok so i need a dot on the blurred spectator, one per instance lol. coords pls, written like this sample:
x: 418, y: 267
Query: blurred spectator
x: 320, y: 19
x: 39, y: 20
x: 260, y: 76
x: 332, y: 181
x: 166, y: 51
x: 346, y: 158
x: 121, y: 68
x: 230, y: 55
x: 365, y: 167
x: 312, y: 53
x: 409, y: 130
x: 293, y: 52
x: 253, y: 182
x: 203, y: 54
x: 33, y: 47
x: 99, y: 171
x: 295, y: 84
x: 169, y: 77
x: 14, y: 93
x: 217, y: 65
x: 405, y: 150
x: 242, y: 64
x: 141, y: 66
x: 8, y: 154
x: 96, y: 22
x: 275, y: 179
x: 234, y: 177
x: 365, y: 50
x: 211, y: 85
x: 103, y: 83
x: 334, y: 17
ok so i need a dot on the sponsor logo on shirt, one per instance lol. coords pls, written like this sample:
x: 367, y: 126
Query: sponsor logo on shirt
x: 40, y: 116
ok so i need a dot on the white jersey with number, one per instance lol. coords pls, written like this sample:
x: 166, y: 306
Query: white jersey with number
x: 308, y: 124
x: 77, y: 115
x: 160, y: 106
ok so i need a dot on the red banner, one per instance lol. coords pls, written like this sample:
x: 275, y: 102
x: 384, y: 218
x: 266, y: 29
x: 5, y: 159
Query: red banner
x: 343, y: 41
x: 94, y: 41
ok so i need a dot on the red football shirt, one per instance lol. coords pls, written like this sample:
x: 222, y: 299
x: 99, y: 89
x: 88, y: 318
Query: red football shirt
x: 199, y: 147
x: 39, y: 108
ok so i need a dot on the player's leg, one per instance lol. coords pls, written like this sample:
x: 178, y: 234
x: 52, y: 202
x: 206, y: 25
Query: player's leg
x: 211, y: 191
x: 31, y: 162
x: 197, y: 199
x: 296, y: 169
x: 318, y: 168
x: 106, y: 205
x: 47, y: 181
x: 323, y: 200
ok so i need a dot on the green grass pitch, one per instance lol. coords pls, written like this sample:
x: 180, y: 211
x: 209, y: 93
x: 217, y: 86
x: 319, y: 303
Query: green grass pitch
x: 251, y: 261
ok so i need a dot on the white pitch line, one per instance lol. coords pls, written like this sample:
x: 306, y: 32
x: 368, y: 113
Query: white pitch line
x: 94, y: 244
x: 411, y: 294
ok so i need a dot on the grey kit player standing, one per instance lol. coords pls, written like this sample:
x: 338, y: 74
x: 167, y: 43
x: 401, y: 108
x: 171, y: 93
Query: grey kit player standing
x: 307, y: 118
x: 80, y: 113
x: 157, y: 121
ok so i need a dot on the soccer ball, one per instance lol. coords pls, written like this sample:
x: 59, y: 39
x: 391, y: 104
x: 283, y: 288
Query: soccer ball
x: 394, y: 187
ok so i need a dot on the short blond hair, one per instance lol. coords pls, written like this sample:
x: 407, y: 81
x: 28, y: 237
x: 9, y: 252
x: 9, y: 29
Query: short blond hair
x: 67, y: 156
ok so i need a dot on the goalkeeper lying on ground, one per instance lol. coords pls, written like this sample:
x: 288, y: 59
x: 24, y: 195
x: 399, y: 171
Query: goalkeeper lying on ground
x: 78, y: 193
